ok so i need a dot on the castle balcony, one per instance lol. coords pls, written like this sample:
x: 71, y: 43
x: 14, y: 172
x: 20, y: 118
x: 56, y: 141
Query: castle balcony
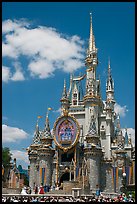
x: 63, y: 165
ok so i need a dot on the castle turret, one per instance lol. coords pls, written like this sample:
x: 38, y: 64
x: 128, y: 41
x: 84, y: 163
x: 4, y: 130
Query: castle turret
x: 110, y: 102
x: 110, y: 115
x: 64, y: 100
x: 92, y: 96
x: 36, y: 138
x: 33, y: 154
x: 119, y: 135
x: 93, y: 154
x: 46, y: 153
x: 126, y: 137
x: 91, y: 62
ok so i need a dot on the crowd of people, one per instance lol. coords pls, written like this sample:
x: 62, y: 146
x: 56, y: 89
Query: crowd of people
x: 94, y: 198
x: 37, y: 189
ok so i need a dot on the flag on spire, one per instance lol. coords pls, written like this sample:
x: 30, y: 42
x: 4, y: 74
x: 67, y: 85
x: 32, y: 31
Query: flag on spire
x: 40, y: 116
x: 50, y: 108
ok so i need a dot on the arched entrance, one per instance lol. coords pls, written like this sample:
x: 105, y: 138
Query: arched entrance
x: 66, y: 177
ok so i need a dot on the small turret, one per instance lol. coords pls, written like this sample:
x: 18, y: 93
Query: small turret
x: 47, y: 132
x: 126, y: 137
x: 46, y: 138
x: 75, y: 94
x: 110, y: 90
x: 64, y: 94
x: 64, y: 100
x: 119, y: 135
x: 36, y: 137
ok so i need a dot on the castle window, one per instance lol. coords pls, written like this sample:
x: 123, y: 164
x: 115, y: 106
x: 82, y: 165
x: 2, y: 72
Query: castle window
x: 74, y: 102
x: 75, y: 95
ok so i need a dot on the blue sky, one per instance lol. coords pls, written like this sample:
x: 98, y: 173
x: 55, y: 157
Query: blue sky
x: 33, y: 76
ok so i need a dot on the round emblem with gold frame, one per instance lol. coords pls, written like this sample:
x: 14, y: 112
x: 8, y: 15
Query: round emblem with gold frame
x: 66, y: 132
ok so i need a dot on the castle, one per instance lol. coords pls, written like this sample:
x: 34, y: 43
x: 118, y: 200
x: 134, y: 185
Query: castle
x: 87, y: 148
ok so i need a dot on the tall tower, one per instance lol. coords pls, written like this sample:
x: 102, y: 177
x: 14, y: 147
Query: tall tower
x: 92, y: 96
x: 93, y: 155
x: 110, y: 115
x: 110, y: 89
x: 46, y: 153
x: 33, y: 154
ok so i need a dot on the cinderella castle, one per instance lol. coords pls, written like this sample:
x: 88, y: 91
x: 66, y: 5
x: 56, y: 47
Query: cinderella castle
x: 86, y: 149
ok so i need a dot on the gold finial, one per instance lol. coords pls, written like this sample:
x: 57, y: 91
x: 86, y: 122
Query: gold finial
x: 65, y: 112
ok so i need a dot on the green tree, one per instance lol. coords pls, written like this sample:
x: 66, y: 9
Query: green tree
x: 6, y: 160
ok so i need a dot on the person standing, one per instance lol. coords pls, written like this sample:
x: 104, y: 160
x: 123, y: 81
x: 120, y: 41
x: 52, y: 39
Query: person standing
x: 36, y: 189
x: 41, y: 191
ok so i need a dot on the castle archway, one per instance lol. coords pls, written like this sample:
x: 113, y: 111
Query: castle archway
x: 66, y: 177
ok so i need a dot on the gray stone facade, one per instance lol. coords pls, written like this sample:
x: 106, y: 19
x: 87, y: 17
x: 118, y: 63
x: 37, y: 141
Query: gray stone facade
x: 95, y: 159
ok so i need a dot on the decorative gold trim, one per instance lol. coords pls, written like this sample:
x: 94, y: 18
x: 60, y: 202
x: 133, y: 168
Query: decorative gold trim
x: 65, y: 149
x: 90, y: 69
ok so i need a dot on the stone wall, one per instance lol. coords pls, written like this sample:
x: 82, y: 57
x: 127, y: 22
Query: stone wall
x: 11, y: 191
x: 106, y: 177
x: 94, y: 176
x: 68, y: 185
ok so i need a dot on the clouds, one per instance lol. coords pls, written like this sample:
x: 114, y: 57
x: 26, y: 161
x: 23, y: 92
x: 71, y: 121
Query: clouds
x: 21, y: 157
x: 131, y: 133
x: 8, y: 76
x: 12, y: 134
x: 45, y: 48
x: 5, y: 74
x: 121, y: 110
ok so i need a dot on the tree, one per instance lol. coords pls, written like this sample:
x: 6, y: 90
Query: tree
x: 6, y: 160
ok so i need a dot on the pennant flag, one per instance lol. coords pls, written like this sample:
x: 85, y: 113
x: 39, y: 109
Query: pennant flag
x: 39, y: 116
x: 50, y: 108
x: 45, y: 179
x: 40, y: 175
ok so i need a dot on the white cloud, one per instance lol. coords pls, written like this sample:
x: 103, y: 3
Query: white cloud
x: 12, y: 134
x: 9, y: 51
x: 57, y: 111
x: 131, y: 133
x: 9, y: 25
x: 46, y: 48
x: 41, y: 68
x: 18, y: 75
x: 5, y: 74
x: 121, y: 110
x: 21, y: 157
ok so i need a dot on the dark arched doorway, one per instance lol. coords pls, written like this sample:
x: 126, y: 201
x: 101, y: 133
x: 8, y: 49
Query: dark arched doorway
x: 66, y: 177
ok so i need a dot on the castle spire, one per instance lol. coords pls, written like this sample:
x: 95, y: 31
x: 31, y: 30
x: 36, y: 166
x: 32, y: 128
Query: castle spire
x: 126, y: 137
x: 91, y: 38
x: 110, y: 83
x: 64, y: 100
x: 118, y: 121
x: 110, y: 88
x: 37, y: 127
x: 64, y: 94
x: 47, y: 127
x: 36, y: 134
x: 109, y: 69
